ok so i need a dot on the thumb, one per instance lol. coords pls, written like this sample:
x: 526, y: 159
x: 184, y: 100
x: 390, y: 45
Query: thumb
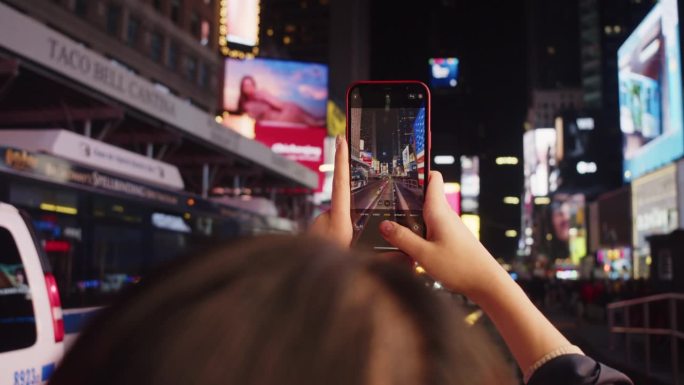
x: 435, y: 196
x: 404, y: 239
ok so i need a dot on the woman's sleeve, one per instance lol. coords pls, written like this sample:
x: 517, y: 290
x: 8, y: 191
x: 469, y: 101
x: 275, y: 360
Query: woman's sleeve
x: 577, y: 369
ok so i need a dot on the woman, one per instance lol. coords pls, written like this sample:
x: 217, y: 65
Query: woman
x: 260, y: 105
x: 286, y: 310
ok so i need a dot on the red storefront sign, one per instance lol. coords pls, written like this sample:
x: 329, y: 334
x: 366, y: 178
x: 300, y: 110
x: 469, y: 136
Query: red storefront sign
x: 304, y: 145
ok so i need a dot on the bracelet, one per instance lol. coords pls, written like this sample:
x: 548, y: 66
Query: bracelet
x: 563, y: 350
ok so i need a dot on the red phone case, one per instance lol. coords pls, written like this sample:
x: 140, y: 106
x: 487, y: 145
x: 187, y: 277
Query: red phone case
x: 428, y: 117
x: 428, y: 123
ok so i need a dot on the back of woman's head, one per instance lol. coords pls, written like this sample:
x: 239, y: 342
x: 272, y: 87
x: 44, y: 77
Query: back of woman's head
x: 282, y: 310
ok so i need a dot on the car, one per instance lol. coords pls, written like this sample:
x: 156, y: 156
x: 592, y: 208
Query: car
x: 359, y: 178
x: 31, y: 322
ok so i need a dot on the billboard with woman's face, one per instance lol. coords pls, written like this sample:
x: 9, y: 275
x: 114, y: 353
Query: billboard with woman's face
x: 281, y: 92
x: 562, y: 228
x: 650, y: 92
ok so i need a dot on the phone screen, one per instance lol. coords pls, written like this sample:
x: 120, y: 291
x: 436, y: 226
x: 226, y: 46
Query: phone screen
x: 389, y: 144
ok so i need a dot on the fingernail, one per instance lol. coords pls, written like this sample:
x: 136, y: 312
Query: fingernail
x: 386, y: 228
x: 338, y: 140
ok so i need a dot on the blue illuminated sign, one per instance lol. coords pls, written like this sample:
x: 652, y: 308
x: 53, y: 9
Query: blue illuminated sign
x: 443, y: 72
x: 650, y: 92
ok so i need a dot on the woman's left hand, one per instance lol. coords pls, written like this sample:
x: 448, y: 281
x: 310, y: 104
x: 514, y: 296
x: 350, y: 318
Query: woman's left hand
x: 336, y: 225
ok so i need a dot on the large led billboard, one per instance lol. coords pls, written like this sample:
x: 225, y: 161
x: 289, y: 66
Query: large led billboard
x: 242, y: 22
x: 539, y: 151
x: 650, y: 92
x: 562, y: 232
x: 470, y: 184
x: 303, y: 145
x: 443, y: 72
x: 279, y: 92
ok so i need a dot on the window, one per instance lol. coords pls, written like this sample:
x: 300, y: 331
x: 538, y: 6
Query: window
x: 195, y: 24
x: 175, y: 11
x: 17, y: 321
x: 113, y: 18
x: 118, y: 257
x: 203, y: 78
x: 172, y: 55
x: 133, y: 31
x: 81, y: 7
x: 206, y: 32
x: 190, y: 67
x: 156, y: 46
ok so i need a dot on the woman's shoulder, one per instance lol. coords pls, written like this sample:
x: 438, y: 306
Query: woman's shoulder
x: 577, y: 369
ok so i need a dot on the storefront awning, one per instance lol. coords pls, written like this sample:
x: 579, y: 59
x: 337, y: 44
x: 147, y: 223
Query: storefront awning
x: 50, y: 49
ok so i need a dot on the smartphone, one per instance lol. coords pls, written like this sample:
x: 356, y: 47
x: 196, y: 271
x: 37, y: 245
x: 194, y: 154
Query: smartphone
x: 388, y: 132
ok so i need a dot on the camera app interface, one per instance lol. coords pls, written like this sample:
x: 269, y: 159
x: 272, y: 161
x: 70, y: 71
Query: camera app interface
x: 387, y: 164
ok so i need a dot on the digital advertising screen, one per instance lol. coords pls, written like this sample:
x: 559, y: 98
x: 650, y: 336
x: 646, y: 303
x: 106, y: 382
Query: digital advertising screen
x: 650, y: 92
x: 452, y: 191
x: 278, y: 92
x: 563, y: 228
x: 387, y: 141
x: 242, y: 22
x: 303, y: 145
x: 539, y: 152
x: 443, y: 72
x: 470, y: 184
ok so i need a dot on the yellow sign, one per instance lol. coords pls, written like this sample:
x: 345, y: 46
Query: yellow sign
x: 472, y: 222
x: 337, y: 120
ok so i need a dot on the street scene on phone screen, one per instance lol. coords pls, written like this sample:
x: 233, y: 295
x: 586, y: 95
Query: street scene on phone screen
x: 387, y: 168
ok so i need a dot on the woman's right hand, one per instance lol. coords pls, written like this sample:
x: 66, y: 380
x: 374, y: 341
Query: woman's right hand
x: 453, y: 256
x: 450, y: 254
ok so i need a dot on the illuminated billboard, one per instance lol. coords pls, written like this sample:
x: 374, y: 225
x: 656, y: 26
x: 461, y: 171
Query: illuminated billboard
x: 562, y: 228
x: 443, y: 72
x: 452, y: 191
x: 472, y: 222
x: 470, y: 184
x: 539, y: 151
x: 278, y: 92
x: 650, y: 92
x: 337, y: 121
x: 303, y: 145
x: 239, y: 28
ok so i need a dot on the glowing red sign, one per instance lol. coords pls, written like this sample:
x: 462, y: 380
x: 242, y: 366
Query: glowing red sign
x: 304, y: 145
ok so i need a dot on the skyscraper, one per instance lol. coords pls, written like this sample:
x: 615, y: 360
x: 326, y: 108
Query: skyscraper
x: 603, y: 27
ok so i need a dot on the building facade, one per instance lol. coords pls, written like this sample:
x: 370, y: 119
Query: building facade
x: 547, y: 104
x: 295, y: 29
x: 172, y: 43
x: 603, y: 27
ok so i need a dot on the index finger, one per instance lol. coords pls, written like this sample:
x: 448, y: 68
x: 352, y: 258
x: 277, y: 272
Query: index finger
x: 341, y: 191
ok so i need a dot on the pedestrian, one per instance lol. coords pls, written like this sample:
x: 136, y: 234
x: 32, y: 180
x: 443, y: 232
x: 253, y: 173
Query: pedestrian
x: 308, y: 310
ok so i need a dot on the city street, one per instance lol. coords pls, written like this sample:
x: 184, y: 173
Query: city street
x: 388, y: 194
x: 385, y: 199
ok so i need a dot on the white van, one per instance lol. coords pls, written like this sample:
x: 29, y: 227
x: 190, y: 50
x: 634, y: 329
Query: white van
x: 31, y: 324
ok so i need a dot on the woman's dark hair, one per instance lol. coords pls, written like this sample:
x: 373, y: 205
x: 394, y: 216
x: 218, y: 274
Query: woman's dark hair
x: 282, y: 310
x: 243, y: 98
